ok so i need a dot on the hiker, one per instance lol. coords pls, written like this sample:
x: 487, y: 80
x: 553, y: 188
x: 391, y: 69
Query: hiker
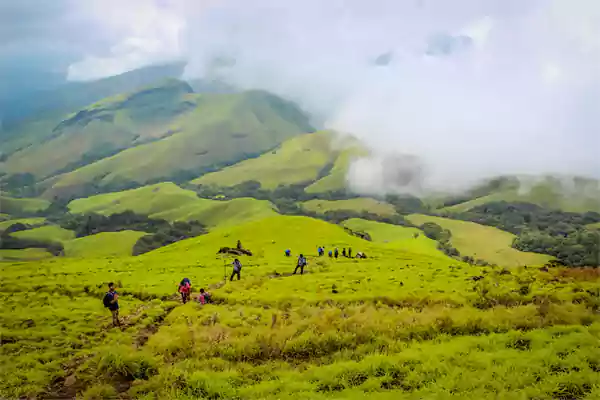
x: 185, y: 287
x: 344, y: 252
x: 237, y: 268
x: 111, y: 301
x: 239, y: 245
x: 288, y: 252
x: 204, y: 297
x: 336, y: 253
x: 320, y: 250
x: 330, y: 253
x: 349, y: 252
x: 301, y: 264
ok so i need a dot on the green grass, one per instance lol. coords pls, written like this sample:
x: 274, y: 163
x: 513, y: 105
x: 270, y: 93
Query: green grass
x: 411, y: 239
x: 336, y: 179
x: 49, y: 233
x: 17, y: 206
x: 401, y: 324
x: 217, y: 129
x: 103, y: 244
x: 170, y: 202
x: 594, y: 226
x: 4, y: 217
x: 298, y: 160
x: 580, y: 195
x: 482, y: 242
x: 24, y: 255
x: 32, y: 222
x: 359, y: 204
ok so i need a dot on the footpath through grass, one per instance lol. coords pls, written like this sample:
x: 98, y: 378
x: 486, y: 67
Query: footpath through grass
x: 401, y: 324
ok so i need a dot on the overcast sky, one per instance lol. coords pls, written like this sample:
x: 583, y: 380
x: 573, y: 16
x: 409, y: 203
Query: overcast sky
x: 475, y: 87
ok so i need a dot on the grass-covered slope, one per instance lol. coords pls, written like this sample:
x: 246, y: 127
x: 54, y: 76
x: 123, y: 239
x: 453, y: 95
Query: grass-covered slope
x: 482, y: 242
x: 298, y: 160
x: 169, y: 201
x: 104, y: 244
x: 46, y: 234
x: 104, y: 128
x: 397, y: 325
x: 217, y: 130
x: 359, y: 204
x: 567, y: 194
x: 401, y: 237
x: 19, y: 206
x: 31, y: 222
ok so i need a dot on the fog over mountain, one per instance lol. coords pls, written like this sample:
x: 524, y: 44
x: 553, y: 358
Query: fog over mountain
x: 473, y: 88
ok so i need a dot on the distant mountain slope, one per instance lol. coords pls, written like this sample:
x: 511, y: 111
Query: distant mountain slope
x: 482, y: 242
x: 74, y: 95
x: 16, y: 206
x: 105, y: 128
x: 315, y: 160
x: 103, y: 244
x: 215, y: 130
x: 298, y: 160
x: 360, y: 204
x: 169, y: 201
x: 567, y: 194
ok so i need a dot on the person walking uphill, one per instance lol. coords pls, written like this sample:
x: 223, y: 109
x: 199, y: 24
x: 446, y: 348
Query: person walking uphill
x: 237, y: 268
x: 185, y: 287
x: 111, y: 301
x: 301, y: 264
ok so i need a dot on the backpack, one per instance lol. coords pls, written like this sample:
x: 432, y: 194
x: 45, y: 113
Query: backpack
x: 108, y: 297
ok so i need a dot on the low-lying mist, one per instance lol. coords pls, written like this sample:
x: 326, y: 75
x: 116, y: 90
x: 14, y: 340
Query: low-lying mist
x: 473, y: 89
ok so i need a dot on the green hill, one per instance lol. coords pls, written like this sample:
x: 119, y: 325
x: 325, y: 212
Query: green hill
x: 20, y: 206
x: 318, y: 160
x: 359, y: 204
x: 169, y: 201
x: 298, y: 160
x: 213, y: 131
x: 104, y: 244
x: 49, y: 233
x: 482, y: 242
x: 567, y: 194
x: 32, y: 222
x: 405, y: 238
x: 399, y: 324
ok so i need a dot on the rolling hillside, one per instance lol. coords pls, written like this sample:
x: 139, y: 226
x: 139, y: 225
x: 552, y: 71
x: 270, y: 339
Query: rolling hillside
x: 400, y: 237
x: 104, y: 244
x: 567, y: 194
x: 319, y: 160
x: 169, y: 201
x: 359, y: 204
x: 396, y: 325
x: 482, y: 242
x: 298, y: 160
x: 21, y: 206
x: 213, y: 131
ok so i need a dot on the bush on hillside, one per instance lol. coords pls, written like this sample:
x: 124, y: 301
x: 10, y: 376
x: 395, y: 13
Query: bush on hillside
x: 8, y: 242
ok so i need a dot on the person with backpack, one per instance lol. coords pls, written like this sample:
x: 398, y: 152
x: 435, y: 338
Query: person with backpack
x: 336, y: 253
x: 349, y: 252
x: 301, y: 264
x: 330, y: 253
x: 344, y: 252
x: 237, y: 268
x: 185, y: 287
x: 288, y: 252
x: 111, y: 301
x: 204, y: 297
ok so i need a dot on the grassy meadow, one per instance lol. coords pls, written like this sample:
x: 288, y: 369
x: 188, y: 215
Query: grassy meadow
x: 483, y: 242
x: 359, y: 204
x: 405, y: 323
x: 169, y: 201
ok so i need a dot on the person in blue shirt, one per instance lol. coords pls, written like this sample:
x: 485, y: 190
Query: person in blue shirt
x: 111, y: 301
